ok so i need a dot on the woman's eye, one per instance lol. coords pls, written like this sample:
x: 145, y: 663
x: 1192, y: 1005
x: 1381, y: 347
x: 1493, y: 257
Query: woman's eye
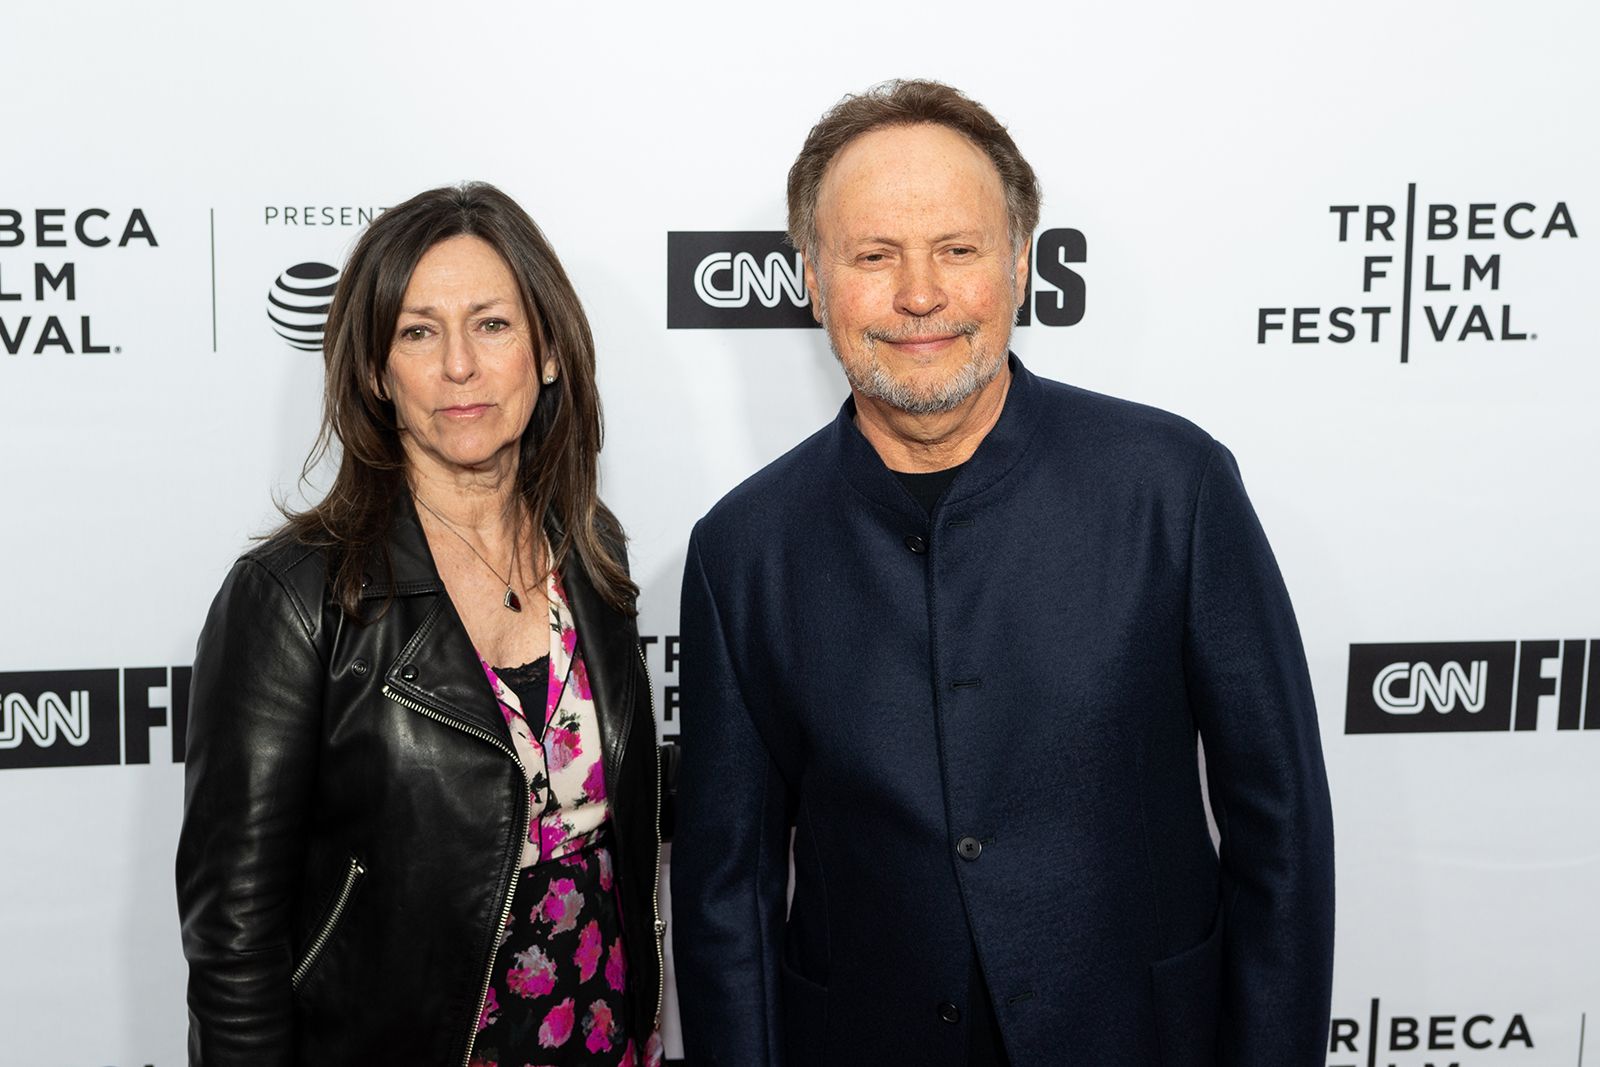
x: 413, y: 333
x: 496, y: 325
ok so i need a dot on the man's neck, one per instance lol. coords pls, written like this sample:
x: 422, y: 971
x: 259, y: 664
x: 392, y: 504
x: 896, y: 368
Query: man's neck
x: 921, y: 443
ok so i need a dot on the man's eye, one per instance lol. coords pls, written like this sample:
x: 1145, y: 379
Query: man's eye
x: 961, y: 251
x: 874, y: 257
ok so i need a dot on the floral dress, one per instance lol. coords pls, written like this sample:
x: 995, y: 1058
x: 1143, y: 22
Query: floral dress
x: 558, y: 990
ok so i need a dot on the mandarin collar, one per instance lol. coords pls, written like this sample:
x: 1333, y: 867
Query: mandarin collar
x: 997, y: 453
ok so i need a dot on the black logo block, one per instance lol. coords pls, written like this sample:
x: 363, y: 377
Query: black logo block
x: 1430, y: 688
x: 735, y: 279
x: 60, y: 718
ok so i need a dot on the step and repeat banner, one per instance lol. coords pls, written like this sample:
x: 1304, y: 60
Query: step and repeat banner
x: 1359, y: 244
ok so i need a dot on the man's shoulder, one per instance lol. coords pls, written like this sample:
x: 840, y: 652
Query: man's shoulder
x: 795, y: 481
x: 1117, y: 429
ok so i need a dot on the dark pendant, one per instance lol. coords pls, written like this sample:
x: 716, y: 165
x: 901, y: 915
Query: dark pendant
x: 511, y: 600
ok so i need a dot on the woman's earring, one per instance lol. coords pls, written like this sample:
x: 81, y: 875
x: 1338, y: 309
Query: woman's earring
x: 549, y: 379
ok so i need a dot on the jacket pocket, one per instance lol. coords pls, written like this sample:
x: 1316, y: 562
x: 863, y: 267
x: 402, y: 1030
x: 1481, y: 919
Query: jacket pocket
x: 1188, y: 999
x: 330, y: 922
x: 805, y: 1016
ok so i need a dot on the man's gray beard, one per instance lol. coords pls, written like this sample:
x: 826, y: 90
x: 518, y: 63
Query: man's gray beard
x: 878, y: 384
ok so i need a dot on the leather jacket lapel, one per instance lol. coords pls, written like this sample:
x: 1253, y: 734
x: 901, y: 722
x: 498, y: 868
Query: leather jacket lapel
x: 437, y: 665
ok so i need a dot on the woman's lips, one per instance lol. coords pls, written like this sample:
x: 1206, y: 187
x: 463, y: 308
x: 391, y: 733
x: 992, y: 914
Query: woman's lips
x: 465, y: 411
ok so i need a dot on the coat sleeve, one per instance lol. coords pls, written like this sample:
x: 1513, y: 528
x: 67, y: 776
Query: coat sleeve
x: 248, y: 774
x: 1251, y: 694
x: 729, y: 854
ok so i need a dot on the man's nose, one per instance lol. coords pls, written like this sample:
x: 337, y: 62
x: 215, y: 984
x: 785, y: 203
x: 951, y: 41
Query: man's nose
x: 918, y: 291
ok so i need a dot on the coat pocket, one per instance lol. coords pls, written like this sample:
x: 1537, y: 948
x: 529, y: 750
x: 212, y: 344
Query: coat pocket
x: 353, y: 874
x: 805, y: 1016
x: 1187, y: 989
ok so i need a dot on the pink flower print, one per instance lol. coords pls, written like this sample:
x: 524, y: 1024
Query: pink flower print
x: 552, y: 832
x: 599, y: 1026
x: 491, y: 1011
x: 580, y: 675
x: 569, y: 641
x: 557, y: 1025
x: 560, y: 746
x: 652, y: 1050
x: 534, y: 974
x: 629, y: 1057
x: 587, y: 958
x: 616, y: 966
x: 605, y: 868
x: 560, y: 906
x: 479, y: 1061
x: 594, y: 783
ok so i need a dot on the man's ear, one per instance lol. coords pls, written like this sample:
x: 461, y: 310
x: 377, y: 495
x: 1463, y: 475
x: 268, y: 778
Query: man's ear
x: 814, y: 288
x: 1020, y: 273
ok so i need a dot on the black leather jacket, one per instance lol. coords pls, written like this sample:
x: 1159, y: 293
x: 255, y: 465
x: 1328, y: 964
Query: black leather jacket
x: 354, y: 814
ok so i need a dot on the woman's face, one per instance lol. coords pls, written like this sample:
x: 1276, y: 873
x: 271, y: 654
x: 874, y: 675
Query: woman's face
x: 461, y: 367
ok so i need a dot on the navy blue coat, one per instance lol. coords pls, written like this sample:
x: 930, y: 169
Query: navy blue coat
x: 982, y: 727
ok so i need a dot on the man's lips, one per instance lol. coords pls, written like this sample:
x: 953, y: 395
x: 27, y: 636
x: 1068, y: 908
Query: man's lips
x: 922, y: 343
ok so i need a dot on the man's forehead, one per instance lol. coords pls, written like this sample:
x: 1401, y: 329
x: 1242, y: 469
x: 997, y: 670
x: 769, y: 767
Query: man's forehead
x: 923, y: 175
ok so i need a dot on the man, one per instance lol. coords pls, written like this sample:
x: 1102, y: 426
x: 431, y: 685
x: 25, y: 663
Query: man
x: 962, y: 641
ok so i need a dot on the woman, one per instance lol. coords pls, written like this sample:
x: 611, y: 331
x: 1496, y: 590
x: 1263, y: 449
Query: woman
x: 421, y: 807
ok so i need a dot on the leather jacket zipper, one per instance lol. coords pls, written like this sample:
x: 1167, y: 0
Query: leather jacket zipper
x: 659, y: 928
x: 352, y: 876
x: 505, y: 910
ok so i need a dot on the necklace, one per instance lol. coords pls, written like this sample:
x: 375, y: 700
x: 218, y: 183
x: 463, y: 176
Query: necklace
x: 511, y: 601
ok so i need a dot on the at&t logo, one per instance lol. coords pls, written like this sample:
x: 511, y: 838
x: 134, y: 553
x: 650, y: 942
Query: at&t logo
x: 298, y: 304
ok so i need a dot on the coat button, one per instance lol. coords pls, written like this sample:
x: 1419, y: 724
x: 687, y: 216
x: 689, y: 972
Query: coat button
x: 949, y: 1012
x: 409, y: 672
x: 969, y: 848
x: 360, y: 667
x: 916, y: 544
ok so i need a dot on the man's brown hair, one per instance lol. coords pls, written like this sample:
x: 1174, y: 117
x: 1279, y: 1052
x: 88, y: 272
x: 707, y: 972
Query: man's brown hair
x: 908, y: 102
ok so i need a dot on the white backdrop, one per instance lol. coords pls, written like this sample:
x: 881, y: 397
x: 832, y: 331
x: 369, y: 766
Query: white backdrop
x: 1451, y: 498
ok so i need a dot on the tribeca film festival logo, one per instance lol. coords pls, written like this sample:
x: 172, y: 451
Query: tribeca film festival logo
x: 1468, y: 304
x: 755, y: 279
x: 29, y: 329
x: 90, y: 717
x: 1461, y: 1039
x: 1472, y: 686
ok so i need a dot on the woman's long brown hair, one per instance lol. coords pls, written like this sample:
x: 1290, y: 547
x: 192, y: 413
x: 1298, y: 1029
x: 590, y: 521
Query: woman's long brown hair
x: 558, y: 472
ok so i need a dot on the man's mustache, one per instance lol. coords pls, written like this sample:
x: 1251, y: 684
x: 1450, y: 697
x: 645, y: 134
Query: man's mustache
x: 920, y: 328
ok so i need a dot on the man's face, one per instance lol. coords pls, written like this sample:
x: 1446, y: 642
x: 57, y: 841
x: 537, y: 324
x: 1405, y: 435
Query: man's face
x: 914, y: 276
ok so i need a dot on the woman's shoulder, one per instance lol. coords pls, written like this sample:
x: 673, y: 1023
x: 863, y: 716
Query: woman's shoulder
x: 287, y: 561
